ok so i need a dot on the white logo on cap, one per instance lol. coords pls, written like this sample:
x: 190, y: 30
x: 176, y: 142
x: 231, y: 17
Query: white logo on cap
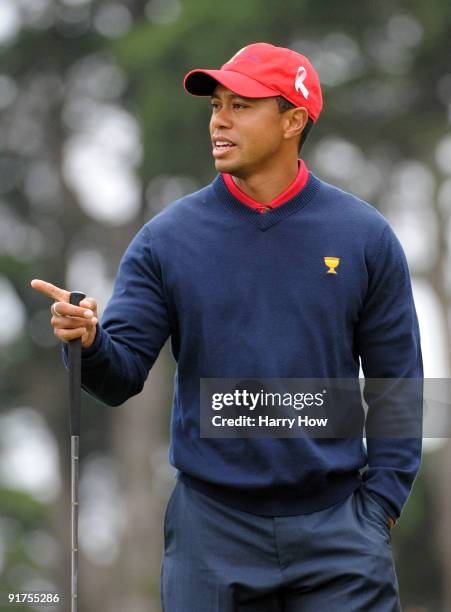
x: 299, y: 83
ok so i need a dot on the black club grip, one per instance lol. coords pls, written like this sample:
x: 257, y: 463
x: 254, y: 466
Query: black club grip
x: 75, y: 373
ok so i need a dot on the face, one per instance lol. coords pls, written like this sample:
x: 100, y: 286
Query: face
x: 247, y: 133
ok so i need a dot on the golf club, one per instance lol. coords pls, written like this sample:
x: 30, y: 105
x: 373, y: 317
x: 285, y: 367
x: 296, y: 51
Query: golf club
x: 75, y: 403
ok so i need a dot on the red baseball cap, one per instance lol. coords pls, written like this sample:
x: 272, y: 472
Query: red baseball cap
x: 261, y: 70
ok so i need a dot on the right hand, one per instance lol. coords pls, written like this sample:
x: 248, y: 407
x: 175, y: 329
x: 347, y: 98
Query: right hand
x: 70, y: 321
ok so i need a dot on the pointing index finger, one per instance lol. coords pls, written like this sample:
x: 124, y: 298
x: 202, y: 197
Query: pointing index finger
x: 51, y: 291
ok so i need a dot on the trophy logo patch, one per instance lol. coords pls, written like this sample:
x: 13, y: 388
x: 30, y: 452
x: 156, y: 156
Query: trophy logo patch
x: 332, y: 263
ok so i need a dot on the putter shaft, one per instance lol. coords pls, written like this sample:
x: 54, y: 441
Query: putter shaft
x: 74, y: 521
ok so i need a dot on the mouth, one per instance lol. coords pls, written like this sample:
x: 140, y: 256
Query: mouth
x: 222, y: 147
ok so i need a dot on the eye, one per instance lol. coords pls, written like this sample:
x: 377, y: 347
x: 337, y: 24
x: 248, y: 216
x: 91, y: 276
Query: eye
x: 238, y: 105
x: 214, y: 105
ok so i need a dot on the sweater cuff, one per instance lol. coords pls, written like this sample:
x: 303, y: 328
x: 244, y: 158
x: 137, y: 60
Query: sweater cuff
x: 88, y: 355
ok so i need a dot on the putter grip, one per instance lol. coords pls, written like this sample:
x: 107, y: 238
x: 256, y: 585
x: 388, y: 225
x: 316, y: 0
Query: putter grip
x: 75, y: 373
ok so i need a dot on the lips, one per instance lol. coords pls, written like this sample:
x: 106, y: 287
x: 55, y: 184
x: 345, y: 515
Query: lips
x: 221, y: 146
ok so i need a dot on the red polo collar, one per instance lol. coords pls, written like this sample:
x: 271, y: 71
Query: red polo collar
x: 292, y: 189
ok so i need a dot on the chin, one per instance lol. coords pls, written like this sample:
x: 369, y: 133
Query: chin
x: 222, y: 165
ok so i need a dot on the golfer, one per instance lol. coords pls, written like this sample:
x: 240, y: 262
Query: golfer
x: 267, y: 272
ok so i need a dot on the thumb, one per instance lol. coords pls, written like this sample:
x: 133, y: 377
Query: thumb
x: 90, y: 303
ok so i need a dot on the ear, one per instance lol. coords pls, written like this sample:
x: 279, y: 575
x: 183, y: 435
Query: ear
x: 294, y: 122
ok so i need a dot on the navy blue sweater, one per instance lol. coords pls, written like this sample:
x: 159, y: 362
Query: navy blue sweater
x: 247, y: 295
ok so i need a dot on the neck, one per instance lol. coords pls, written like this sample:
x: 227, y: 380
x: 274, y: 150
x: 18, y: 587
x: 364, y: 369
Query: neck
x: 265, y: 185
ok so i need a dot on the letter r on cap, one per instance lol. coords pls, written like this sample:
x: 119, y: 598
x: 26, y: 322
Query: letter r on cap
x: 299, y: 83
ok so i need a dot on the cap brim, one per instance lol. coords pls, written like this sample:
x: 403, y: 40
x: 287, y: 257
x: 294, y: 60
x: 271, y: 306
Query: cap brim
x: 203, y: 83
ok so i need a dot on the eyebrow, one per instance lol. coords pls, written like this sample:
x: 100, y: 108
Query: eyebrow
x: 230, y: 96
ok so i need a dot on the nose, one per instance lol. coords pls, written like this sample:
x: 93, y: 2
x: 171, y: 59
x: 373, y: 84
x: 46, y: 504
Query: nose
x: 221, y: 118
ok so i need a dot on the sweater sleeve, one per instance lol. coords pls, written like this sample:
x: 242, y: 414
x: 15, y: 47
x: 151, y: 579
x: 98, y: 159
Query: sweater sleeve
x: 389, y: 346
x: 133, y: 329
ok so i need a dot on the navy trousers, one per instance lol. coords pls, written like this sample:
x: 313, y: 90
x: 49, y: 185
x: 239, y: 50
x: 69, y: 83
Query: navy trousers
x: 218, y: 559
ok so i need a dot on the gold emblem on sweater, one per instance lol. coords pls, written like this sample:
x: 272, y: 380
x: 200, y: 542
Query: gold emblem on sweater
x: 332, y: 263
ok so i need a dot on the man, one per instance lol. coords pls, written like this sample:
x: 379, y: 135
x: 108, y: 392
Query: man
x: 268, y: 272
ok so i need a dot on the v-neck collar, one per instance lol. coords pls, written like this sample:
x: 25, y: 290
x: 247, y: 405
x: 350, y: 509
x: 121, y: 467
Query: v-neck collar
x: 293, y: 189
x: 265, y: 220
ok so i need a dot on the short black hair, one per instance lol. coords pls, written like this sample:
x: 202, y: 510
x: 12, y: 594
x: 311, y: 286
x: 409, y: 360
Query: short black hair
x: 285, y: 105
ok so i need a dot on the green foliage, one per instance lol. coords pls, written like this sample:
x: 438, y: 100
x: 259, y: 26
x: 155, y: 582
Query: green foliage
x: 415, y: 547
x: 22, y: 507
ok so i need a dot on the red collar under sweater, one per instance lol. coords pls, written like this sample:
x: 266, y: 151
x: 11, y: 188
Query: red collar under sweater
x: 292, y: 189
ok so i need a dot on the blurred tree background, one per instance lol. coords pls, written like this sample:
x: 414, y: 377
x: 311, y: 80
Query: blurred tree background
x: 96, y: 137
